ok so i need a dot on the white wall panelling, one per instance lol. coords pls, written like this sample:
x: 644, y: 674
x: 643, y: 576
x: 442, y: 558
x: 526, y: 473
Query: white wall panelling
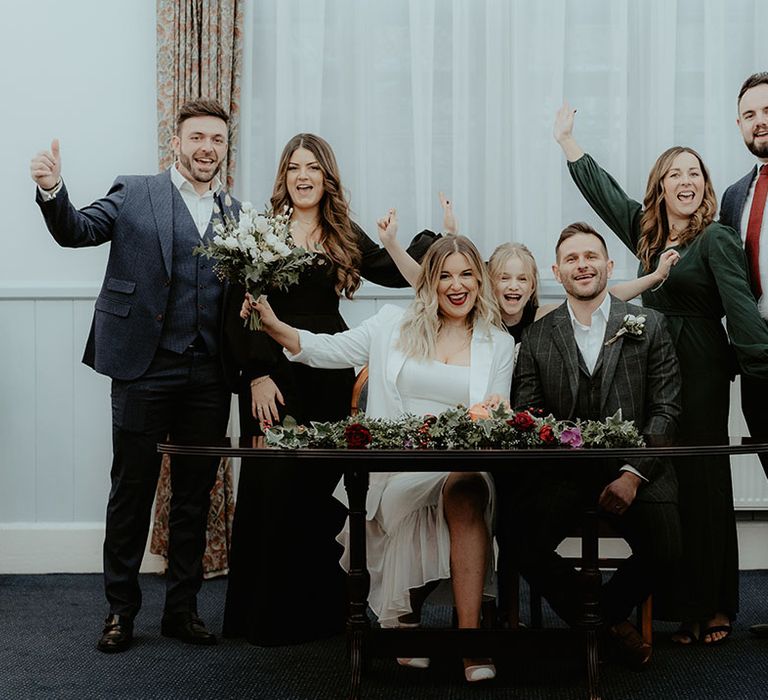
x: 55, y: 436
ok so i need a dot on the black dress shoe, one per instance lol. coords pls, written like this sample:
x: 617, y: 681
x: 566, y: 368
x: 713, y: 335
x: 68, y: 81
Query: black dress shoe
x: 117, y: 634
x: 187, y: 627
x: 760, y: 630
x: 627, y: 644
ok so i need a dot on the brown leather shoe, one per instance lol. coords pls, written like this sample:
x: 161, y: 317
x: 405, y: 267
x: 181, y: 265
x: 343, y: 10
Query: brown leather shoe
x: 187, y: 627
x: 117, y: 634
x: 629, y: 646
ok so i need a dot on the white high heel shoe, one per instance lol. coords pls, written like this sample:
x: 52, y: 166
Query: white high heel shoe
x: 480, y: 672
x: 415, y: 662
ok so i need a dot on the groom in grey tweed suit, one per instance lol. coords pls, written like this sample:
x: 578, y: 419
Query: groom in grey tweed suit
x: 571, y: 366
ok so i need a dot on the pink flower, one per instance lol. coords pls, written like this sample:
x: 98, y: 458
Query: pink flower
x: 571, y: 437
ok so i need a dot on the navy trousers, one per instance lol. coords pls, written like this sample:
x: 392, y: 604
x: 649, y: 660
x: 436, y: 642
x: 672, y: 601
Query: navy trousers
x: 183, y: 397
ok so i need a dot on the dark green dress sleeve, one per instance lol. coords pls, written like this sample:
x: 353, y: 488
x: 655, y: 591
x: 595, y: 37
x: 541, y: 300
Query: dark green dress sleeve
x: 378, y: 267
x: 747, y: 330
x: 610, y: 202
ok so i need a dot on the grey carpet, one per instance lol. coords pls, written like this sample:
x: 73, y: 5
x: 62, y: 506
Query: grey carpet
x: 49, y: 626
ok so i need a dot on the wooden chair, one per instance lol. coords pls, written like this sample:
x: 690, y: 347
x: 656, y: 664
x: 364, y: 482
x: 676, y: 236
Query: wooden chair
x: 359, y: 392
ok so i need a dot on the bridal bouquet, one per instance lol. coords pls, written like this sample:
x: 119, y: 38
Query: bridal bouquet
x: 256, y: 251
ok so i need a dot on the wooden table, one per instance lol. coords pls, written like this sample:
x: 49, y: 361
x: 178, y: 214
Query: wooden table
x: 365, y: 642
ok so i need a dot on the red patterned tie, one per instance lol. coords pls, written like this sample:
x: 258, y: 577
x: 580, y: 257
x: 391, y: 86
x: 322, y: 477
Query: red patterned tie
x: 752, y: 244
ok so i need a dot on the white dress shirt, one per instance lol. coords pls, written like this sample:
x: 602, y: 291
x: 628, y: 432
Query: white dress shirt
x: 200, y: 205
x: 590, y: 339
x: 762, y: 260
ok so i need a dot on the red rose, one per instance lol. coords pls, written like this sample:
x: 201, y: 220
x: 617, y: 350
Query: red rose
x: 546, y: 434
x: 357, y: 436
x: 522, y: 421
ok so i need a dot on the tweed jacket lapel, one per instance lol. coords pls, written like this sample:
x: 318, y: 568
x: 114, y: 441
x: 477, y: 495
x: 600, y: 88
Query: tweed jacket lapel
x: 610, y: 354
x: 564, y: 341
x: 161, y: 196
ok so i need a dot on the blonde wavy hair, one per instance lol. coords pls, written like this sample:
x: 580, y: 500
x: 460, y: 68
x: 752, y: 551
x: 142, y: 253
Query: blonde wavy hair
x: 505, y: 252
x: 654, y: 224
x: 422, y: 321
x: 338, y: 239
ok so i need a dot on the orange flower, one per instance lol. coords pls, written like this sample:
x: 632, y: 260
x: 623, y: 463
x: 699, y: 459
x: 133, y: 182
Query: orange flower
x: 478, y: 411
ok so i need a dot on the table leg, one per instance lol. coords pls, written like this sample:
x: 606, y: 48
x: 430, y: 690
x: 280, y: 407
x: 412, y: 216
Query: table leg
x: 358, y: 579
x: 591, y: 619
x: 593, y: 666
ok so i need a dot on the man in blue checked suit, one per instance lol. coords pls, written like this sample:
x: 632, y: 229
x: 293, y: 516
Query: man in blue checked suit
x: 156, y: 333
x: 577, y: 362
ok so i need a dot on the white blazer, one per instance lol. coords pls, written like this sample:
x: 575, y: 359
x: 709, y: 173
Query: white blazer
x: 373, y: 342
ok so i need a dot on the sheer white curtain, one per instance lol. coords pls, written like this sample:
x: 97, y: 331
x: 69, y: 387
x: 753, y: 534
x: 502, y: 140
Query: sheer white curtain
x: 459, y: 95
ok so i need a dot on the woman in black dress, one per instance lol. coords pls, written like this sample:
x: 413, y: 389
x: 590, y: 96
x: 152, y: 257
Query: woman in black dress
x: 285, y: 582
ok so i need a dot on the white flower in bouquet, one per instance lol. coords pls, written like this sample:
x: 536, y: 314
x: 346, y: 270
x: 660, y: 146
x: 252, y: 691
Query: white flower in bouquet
x: 256, y: 251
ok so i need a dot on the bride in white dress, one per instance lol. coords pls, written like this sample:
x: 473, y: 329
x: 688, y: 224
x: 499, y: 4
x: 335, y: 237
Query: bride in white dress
x: 446, y: 348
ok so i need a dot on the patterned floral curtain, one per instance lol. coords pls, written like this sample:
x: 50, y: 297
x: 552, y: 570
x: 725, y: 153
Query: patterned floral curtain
x: 199, y: 54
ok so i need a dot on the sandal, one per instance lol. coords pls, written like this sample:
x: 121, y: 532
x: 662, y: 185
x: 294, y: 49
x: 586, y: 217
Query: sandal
x: 728, y: 629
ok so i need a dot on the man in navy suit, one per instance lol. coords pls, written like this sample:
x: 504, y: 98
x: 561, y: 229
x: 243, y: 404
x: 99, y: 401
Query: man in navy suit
x: 155, y: 332
x: 744, y: 208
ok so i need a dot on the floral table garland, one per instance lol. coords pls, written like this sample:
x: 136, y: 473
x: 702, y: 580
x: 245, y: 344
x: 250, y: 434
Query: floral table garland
x: 458, y: 429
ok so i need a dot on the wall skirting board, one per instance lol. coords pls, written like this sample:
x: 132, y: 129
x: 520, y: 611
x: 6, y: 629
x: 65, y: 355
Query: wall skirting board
x: 63, y: 548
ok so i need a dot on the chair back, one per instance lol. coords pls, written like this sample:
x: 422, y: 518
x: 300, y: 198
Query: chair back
x: 360, y: 392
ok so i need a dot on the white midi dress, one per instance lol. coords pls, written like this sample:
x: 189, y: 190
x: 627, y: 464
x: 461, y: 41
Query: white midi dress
x: 408, y: 542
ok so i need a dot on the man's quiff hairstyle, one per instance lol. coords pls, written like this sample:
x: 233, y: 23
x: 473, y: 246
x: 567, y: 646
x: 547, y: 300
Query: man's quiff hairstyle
x: 752, y: 81
x: 201, y: 107
x: 574, y: 229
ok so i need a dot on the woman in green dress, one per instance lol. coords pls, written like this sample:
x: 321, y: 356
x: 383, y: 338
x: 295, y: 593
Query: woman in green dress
x: 708, y: 283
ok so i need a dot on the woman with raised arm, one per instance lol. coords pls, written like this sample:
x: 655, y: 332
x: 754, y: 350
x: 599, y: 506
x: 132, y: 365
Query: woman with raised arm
x: 708, y: 283
x: 446, y: 348
x: 270, y: 600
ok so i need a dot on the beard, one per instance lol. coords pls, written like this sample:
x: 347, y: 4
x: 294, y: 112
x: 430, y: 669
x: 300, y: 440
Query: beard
x: 594, y: 291
x: 759, y: 150
x: 196, y: 173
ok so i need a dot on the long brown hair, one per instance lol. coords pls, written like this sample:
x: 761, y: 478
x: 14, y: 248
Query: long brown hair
x: 654, y: 224
x: 422, y: 320
x: 338, y: 239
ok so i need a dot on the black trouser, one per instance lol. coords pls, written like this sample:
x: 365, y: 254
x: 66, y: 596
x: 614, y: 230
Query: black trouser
x: 182, y: 397
x: 551, y: 505
x: 754, y: 404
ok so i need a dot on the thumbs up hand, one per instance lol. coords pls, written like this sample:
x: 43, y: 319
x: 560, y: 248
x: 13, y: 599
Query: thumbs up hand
x: 45, y: 167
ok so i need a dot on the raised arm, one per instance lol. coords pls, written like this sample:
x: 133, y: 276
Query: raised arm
x: 72, y: 228
x: 408, y: 267
x: 627, y: 291
x: 563, y: 132
x: 602, y: 192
